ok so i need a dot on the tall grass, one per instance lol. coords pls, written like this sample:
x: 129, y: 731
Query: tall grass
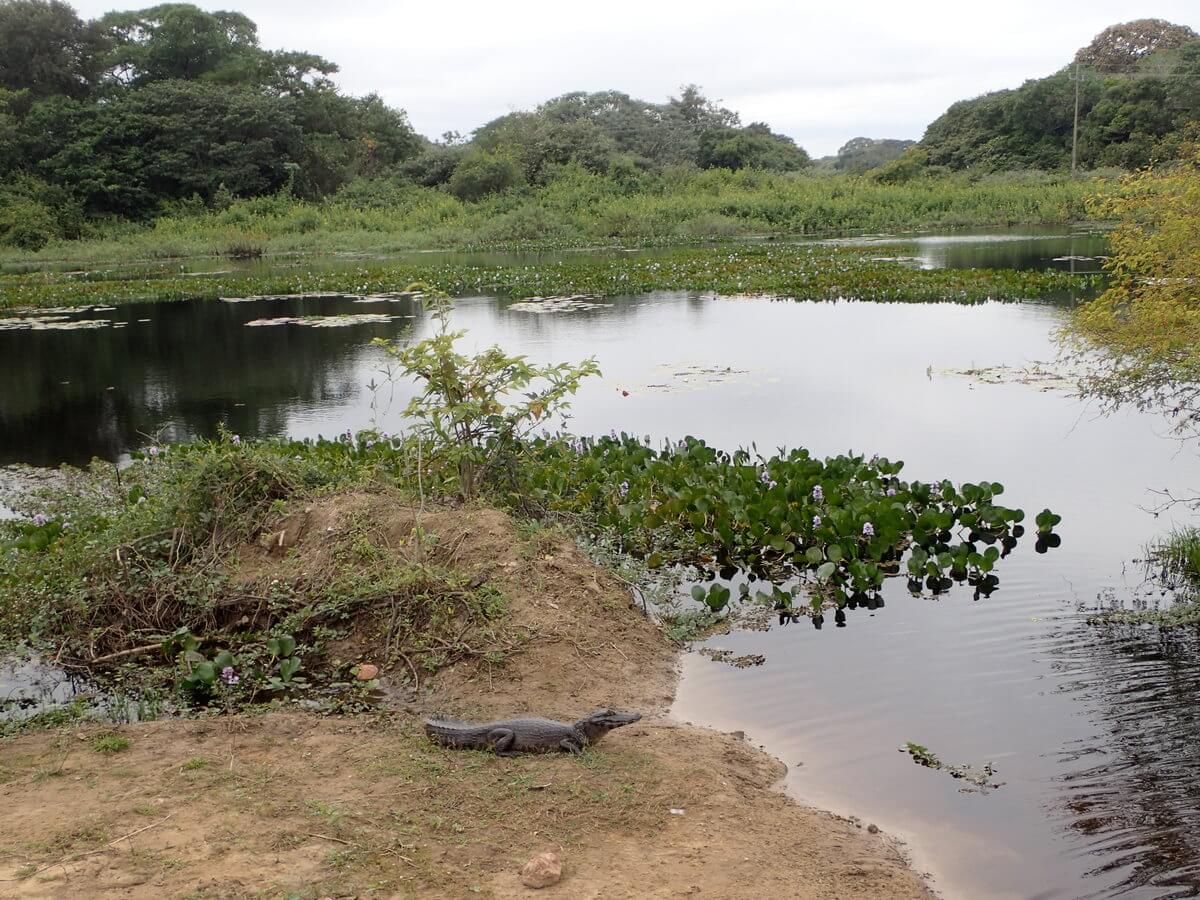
x: 1179, y: 554
x: 579, y: 208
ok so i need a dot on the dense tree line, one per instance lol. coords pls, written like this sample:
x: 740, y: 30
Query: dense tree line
x: 135, y: 111
x: 1139, y: 101
x: 607, y: 132
x: 145, y: 111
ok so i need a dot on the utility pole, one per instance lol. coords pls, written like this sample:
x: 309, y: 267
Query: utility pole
x: 1075, y: 125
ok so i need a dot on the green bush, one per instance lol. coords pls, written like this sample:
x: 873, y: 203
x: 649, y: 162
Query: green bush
x: 481, y: 173
x: 27, y: 224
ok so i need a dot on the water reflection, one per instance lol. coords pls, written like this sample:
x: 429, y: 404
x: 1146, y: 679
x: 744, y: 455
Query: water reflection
x: 176, y: 369
x: 1131, y: 789
x: 1027, y: 247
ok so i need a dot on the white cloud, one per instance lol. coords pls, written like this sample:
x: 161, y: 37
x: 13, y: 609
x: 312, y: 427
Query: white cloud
x: 820, y: 72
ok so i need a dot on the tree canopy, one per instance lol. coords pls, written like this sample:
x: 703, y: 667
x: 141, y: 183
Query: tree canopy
x: 1139, y: 90
x: 1119, y: 48
x: 136, y: 110
x: 609, y: 129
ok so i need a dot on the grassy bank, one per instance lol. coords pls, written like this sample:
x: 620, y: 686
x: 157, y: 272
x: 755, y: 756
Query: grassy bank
x: 581, y: 208
x: 802, y: 272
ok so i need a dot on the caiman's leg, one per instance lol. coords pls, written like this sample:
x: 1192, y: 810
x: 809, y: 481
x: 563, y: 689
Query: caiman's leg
x: 502, y: 740
x: 570, y: 745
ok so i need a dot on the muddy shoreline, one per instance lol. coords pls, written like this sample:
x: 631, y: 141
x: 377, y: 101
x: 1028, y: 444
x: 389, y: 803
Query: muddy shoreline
x: 364, y: 806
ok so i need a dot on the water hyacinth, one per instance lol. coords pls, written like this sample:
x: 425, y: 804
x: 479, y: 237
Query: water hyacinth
x: 236, y: 439
x: 153, y: 451
x: 39, y: 520
x: 707, y: 508
x: 229, y: 676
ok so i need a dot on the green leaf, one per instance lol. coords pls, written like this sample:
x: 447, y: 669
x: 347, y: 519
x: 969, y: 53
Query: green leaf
x: 289, y: 667
x: 825, y: 571
x: 205, y: 672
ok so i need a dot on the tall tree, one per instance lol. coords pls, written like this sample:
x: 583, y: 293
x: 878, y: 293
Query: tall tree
x: 46, y: 49
x: 170, y: 140
x: 178, y: 40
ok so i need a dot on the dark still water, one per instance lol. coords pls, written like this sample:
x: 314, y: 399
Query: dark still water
x: 1093, y: 732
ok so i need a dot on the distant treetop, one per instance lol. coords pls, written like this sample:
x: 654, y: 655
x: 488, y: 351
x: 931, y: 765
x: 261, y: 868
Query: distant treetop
x: 1118, y: 48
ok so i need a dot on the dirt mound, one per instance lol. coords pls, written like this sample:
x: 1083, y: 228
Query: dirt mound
x: 300, y: 805
x: 582, y: 644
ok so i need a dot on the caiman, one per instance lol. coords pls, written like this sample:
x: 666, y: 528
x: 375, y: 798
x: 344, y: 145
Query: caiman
x: 510, y: 737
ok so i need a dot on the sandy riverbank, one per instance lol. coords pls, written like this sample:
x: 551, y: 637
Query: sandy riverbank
x: 290, y: 803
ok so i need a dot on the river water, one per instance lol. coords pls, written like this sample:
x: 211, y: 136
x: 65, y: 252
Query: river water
x: 1093, y: 732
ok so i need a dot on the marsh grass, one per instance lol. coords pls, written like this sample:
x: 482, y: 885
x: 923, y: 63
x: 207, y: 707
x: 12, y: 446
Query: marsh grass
x: 1179, y: 554
x: 581, y: 208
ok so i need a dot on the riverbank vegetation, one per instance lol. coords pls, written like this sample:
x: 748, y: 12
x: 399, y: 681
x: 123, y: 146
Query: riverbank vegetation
x: 575, y: 208
x: 171, y: 132
x: 1146, y: 324
x: 168, y: 563
x: 1138, y: 345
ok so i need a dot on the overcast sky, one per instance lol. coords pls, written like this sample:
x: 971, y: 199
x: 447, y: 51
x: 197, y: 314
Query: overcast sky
x: 820, y: 72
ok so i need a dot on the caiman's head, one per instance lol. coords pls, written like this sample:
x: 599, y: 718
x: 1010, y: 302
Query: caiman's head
x: 599, y: 723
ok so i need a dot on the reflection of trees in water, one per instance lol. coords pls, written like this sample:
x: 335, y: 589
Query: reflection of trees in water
x: 1132, y: 790
x: 71, y: 395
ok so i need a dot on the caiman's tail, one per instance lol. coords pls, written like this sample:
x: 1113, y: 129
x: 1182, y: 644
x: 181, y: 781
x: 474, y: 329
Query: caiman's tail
x: 451, y: 732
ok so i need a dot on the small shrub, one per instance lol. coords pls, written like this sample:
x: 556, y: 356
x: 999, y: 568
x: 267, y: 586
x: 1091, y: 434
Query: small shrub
x: 109, y: 744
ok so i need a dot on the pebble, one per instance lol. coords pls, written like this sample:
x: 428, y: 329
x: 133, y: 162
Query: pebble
x: 542, y: 871
x: 367, y: 672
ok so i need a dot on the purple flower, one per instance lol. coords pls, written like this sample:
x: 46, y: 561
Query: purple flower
x: 623, y: 488
x: 935, y: 490
x: 153, y: 451
x: 891, y: 492
x: 370, y: 444
x: 39, y: 520
x: 875, y: 460
x: 816, y: 521
x: 228, y: 676
x: 818, y: 493
x: 868, y: 530
x: 237, y: 439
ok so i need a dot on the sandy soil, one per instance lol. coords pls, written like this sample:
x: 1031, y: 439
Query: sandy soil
x: 294, y: 804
